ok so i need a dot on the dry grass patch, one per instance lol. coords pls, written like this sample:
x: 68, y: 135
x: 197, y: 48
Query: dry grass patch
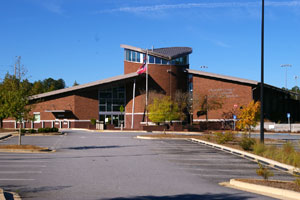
x: 22, y: 147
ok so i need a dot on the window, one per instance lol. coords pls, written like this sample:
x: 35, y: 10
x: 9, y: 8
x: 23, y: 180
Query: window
x: 151, y: 59
x: 110, y: 101
x: 138, y: 57
x: 164, y: 62
x: 157, y: 60
x: 37, y: 117
x: 134, y: 56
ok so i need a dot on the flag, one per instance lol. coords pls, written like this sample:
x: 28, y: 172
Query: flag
x: 143, y: 68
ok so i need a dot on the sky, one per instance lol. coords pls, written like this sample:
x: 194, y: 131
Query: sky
x: 80, y: 39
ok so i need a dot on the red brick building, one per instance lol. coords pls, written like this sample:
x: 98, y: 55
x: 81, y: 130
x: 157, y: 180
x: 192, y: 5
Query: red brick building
x: 168, y: 72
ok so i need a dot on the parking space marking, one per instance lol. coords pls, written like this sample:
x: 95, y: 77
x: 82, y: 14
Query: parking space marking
x: 25, y: 161
x: 20, y: 172
x: 16, y: 179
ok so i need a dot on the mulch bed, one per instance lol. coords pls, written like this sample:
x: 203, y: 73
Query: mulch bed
x: 6, y: 130
x: 287, y: 185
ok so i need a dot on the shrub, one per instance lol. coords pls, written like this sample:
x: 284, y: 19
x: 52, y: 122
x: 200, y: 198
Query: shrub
x: 219, y: 138
x: 223, y: 138
x: 264, y: 172
x: 259, y: 148
x: 23, y: 130
x: 93, y: 121
x: 41, y: 130
x: 54, y: 130
x: 32, y: 131
x: 247, y: 143
x: 48, y: 130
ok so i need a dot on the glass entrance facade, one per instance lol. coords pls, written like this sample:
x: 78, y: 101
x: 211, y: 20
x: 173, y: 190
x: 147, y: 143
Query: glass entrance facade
x: 112, y: 105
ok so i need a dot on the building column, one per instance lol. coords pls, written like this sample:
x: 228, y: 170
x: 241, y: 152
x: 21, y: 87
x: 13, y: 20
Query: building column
x: 133, y: 97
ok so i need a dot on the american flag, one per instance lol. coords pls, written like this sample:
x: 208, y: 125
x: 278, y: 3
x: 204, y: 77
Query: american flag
x: 143, y: 68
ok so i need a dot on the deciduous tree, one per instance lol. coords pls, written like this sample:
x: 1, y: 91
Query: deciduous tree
x: 249, y: 117
x: 16, y: 99
x: 163, y: 109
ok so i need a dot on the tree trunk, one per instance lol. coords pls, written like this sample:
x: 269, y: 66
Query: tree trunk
x: 1, y: 122
x: 20, y: 127
x: 249, y: 133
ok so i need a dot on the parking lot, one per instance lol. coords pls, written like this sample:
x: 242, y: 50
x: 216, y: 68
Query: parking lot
x: 117, y: 166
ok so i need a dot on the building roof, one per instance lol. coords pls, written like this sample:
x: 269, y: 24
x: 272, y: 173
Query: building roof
x: 87, y: 85
x: 168, y: 53
x: 218, y: 76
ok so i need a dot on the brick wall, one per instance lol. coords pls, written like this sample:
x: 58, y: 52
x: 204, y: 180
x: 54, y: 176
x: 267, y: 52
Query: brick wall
x: 229, y: 93
x: 166, y: 79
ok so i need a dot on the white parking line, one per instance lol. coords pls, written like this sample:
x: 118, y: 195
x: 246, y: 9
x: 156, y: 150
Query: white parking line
x: 19, y: 166
x: 15, y: 179
x: 25, y: 161
x: 20, y: 172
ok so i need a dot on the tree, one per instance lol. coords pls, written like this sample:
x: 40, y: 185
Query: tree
x: 184, y: 101
x: 163, y: 109
x: 205, y: 103
x: 249, y: 116
x: 75, y: 83
x: 3, y: 105
x: 16, y: 101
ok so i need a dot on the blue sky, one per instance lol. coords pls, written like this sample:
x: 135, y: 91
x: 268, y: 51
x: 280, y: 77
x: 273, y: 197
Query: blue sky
x: 80, y: 39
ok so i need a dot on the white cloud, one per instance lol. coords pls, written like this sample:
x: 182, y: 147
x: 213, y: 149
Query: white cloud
x: 153, y: 8
x: 53, y: 6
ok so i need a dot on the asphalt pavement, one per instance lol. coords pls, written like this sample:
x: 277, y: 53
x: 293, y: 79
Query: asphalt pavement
x: 115, y: 166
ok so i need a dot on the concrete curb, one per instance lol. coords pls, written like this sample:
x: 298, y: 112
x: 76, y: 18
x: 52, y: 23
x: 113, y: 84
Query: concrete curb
x: 6, y: 136
x: 271, y: 163
x: 15, y: 195
x: 2, y: 197
x: 264, y: 190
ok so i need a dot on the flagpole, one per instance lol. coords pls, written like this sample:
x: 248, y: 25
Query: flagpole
x: 147, y: 87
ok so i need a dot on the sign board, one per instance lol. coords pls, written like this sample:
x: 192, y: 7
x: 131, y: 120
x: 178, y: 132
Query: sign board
x: 234, y: 116
x: 288, y: 115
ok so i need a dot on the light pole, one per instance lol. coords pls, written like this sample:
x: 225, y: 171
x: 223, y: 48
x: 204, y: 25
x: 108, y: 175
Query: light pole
x: 203, y: 67
x: 262, y: 135
x: 286, y: 66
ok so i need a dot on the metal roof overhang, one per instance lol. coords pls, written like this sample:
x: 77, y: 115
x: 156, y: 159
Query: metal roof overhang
x: 87, y: 85
x: 218, y: 76
x: 145, y: 51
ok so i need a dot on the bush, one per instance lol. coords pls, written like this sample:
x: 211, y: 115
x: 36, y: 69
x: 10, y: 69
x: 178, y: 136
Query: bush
x: 223, y: 138
x: 32, y: 131
x: 264, y: 171
x: 23, y: 130
x: 41, y: 130
x: 93, y: 121
x: 247, y: 143
x: 48, y: 130
x: 259, y: 148
x: 54, y: 130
